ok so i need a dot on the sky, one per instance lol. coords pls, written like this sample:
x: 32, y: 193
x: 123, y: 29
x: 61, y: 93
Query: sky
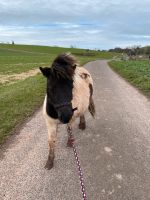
x: 93, y: 24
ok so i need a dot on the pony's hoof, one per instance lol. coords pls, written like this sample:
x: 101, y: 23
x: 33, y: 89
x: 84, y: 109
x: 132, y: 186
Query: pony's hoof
x: 82, y: 126
x: 49, y: 165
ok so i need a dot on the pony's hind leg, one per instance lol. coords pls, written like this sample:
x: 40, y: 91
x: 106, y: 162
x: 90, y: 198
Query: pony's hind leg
x: 82, y: 123
x: 91, y: 102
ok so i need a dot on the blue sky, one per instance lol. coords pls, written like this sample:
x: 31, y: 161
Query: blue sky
x: 84, y: 24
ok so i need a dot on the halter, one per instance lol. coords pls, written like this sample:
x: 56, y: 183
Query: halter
x: 60, y: 105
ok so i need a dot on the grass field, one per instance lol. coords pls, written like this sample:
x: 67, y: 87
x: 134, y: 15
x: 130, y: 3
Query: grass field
x: 36, y: 50
x: 19, y: 98
x: 136, y: 72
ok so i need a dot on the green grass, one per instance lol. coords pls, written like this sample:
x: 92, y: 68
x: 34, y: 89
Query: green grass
x: 19, y: 100
x: 21, y: 58
x: 46, y: 50
x: 18, y: 68
x: 136, y: 72
x: 49, y: 50
x: 40, y: 49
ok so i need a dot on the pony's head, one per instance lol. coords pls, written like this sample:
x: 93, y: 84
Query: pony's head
x: 60, y: 86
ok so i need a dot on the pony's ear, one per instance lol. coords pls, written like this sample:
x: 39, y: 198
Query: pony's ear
x: 45, y: 71
x: 74, y: 66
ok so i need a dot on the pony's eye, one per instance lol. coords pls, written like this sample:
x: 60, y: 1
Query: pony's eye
x: 74, y: 109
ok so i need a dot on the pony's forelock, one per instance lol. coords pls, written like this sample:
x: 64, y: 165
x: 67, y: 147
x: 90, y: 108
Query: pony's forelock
x: 64, y: 66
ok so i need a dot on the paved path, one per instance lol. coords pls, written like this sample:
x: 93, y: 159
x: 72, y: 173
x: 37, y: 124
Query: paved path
x: 114, y: 150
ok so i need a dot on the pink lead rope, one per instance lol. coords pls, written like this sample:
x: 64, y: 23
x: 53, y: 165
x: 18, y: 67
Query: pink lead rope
x: 70, y: 143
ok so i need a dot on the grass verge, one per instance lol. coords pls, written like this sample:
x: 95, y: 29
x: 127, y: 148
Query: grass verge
x: 136, y: 72
x: 18, y: 101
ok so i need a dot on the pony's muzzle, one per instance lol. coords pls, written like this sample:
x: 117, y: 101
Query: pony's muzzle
x: 65, y: 117
x: 65, y: 114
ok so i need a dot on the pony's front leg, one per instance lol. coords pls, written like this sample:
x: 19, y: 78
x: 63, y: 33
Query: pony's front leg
x: 82, y: 124
x: 52, y: 128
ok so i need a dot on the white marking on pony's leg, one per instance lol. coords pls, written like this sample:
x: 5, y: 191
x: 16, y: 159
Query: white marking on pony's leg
x: 52, y: 129
x: 51, y: 124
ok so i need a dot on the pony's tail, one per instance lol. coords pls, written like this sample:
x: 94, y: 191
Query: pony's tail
x: 91, y: 102
x: 92, y: 107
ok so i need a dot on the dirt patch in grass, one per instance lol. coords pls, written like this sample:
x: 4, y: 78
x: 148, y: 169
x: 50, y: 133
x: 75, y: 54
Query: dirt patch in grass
x: 9, y: 79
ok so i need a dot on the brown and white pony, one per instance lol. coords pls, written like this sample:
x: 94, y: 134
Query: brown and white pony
x: 69, y: 95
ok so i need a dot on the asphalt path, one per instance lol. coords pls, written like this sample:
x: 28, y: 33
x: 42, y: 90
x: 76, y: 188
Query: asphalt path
x: 114, y: 150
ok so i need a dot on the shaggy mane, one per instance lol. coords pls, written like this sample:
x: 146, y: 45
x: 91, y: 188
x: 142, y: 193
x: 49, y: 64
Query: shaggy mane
x: 64, y: 66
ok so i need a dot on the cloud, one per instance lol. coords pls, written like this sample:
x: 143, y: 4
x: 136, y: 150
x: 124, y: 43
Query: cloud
x: 85, y: 24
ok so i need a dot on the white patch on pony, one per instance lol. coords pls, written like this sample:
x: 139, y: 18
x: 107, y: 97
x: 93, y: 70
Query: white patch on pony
x: 81, y: 91
x: 51, y: 123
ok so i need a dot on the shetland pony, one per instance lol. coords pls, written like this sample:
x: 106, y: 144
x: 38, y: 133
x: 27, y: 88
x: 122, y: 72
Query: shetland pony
x: 69, y: 95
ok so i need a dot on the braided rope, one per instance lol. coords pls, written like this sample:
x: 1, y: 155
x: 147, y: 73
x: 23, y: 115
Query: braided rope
x: 71, y: 144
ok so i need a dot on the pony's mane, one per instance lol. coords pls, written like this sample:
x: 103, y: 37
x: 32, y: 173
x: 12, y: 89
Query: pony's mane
x: 64, y: 66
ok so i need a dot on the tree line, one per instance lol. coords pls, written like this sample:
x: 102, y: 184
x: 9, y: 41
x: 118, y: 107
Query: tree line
x: 132, y: 51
